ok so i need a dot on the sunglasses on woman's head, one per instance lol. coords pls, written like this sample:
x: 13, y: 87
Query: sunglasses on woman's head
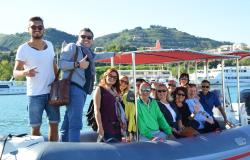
x: 88, y: 37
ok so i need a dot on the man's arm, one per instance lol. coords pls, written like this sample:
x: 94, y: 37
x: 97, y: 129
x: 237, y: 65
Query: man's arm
x: 104, y: 55
x: 223, y: 113
x: 20, y: 72
x: 55, y: 68
x: 18, y: 69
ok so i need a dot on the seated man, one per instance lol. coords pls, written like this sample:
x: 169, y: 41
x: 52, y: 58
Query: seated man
x: 209, y: 100
x: 150, y: 117
x: 207, y: 123
x: 171, y: 89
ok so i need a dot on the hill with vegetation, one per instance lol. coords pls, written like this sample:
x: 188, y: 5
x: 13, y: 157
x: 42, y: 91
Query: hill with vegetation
x: 169, y: 38
x: 11, y: 42
x: 125, y: 40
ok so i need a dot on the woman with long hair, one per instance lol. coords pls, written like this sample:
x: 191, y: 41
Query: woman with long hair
x: 169, y: 111
x: 128, y: 99
x: 109, y: 114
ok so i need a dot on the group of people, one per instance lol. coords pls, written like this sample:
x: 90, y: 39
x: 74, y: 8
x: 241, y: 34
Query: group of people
x: 163, y: 111
x: 35, y: 61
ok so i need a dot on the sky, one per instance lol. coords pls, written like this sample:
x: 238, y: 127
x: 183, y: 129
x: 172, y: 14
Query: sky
x: 222, y: 20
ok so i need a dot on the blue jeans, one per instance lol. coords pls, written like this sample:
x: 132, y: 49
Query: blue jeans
x: 72, y: 123
x: 36, y: 106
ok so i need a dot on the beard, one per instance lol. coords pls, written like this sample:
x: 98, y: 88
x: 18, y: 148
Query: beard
x: 35, y: 36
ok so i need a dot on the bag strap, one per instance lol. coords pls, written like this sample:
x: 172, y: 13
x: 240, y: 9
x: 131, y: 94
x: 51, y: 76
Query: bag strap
x: 71, y: 72
x: 75, y: 58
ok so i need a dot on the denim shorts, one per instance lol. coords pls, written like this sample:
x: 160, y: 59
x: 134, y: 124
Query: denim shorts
x: 36, y: 106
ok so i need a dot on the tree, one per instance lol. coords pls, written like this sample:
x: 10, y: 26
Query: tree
x: 5, y: 70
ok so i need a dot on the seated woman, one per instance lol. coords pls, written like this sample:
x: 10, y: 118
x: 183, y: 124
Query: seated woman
x: 169, y: 111
x: 150, y: 118
x: 109, y: 114
x: 180, y: 95
x: 128, y: 98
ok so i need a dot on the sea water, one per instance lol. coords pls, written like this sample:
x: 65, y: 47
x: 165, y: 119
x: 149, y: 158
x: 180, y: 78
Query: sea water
x: 14, y: 115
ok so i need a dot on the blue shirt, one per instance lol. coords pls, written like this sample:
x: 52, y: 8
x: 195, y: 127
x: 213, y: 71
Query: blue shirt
x: 201, y: 115
x: 209, y: 101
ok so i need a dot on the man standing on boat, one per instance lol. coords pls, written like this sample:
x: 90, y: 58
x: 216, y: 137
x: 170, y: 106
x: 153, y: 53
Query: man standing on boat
x: 82, y: 81
x: 35, y: 61
x: 209, y: 100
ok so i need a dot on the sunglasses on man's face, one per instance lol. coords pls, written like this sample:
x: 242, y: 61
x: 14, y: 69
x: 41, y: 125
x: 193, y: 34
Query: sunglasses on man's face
x: 205, y: 86
x: 172, y: 85
x: 88, y: 37
x: 145, y: 90
x: 34, y: 27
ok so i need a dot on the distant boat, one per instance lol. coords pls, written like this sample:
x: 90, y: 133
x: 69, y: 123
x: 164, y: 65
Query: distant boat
x: 230, y: 73
x: 150, y: 75
x: 12, y: 87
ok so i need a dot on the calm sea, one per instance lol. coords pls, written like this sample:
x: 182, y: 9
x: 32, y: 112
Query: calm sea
x: 14, y: 115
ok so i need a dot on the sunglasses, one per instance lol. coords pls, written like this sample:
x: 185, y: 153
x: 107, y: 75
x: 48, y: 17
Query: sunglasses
x: 33, y: 27
x: 88, y: 37
x: 172, y: 85
x: 123, y: 81
x: 147, y: 90
x: 159, y: 91
x: 183, y: 78
x: 205, y: 86
x: 180, y: 94
x: 113, y: 77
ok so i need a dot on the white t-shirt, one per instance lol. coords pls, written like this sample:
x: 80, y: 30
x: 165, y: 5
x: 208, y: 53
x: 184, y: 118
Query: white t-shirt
x: 43, y: 60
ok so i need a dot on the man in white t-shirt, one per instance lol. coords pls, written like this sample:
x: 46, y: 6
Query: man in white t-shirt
x: 35, y: 61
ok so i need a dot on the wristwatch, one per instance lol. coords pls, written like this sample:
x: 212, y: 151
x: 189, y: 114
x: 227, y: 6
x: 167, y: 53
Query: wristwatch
x: 77, y: 65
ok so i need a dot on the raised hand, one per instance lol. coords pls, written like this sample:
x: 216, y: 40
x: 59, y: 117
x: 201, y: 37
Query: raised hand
x: 84, y: 63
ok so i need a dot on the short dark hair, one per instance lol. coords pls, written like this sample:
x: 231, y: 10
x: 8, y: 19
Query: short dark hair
x: 205, y: 81
x: 183, y: 89
x: 36, y: 18
x: 140, y: 80
x: 184, y: 75
x: 191, y: 85
x: 87, y: 30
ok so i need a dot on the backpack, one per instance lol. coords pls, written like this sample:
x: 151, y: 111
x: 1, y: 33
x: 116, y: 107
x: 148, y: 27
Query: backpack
x: 91, y: 115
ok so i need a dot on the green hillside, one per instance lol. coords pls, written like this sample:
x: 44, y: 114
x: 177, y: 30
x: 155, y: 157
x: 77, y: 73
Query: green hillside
x: 169, y: 38
x: 125, y: 40
x: 11, y: 42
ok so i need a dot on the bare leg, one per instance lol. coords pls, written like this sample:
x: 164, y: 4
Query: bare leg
x: 53, y: 132
x: 35, y: 131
